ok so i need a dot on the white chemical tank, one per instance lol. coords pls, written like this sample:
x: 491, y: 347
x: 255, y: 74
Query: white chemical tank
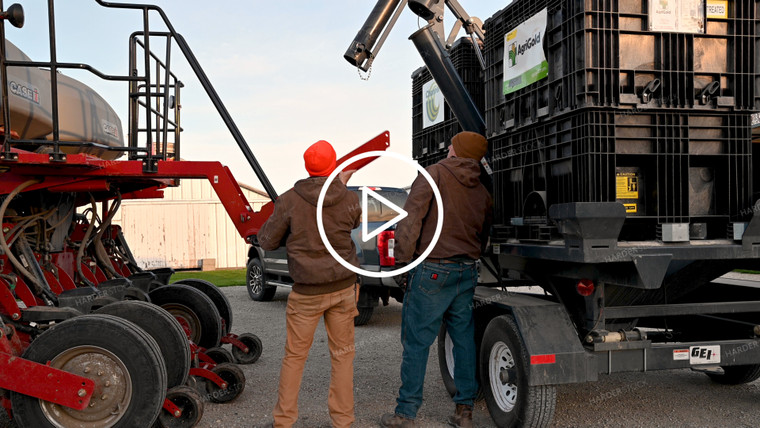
x: 83, y: 115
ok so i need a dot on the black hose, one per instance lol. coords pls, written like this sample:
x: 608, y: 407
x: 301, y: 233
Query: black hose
x: 3, y: 242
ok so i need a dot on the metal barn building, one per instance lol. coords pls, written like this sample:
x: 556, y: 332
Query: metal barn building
x: 189, y: 228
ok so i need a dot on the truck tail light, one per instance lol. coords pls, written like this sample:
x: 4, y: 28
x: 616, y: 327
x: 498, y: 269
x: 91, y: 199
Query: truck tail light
x: 385, y: 243
x: 585, y: 287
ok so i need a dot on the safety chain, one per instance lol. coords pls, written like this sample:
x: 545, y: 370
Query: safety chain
x: 369, y: 69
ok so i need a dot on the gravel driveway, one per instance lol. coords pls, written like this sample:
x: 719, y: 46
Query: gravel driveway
x: 679, y: 398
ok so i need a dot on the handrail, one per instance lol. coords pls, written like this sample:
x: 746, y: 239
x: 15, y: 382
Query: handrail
x: 72, y: 65
x: 206, y: 83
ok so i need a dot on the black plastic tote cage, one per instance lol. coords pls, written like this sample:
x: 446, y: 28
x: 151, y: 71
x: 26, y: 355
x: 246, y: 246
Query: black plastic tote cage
x: 632, y: 111
x: 664, y: 167
x: 430, y: 144
x: 618, y: 54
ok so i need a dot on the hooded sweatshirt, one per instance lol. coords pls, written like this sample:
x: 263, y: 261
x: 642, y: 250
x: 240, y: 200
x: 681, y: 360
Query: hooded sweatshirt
x: 294, y: 224
x: 467, y: 213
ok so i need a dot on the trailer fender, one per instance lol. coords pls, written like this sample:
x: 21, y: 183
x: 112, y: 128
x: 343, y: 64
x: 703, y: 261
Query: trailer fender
x: 555, y: 350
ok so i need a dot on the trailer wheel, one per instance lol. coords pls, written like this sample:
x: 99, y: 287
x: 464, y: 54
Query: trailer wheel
x: 164, y: 329
x: 124, y: 362
x: 736, y: 375
x: 215, y: 294
x: 195, y: 312
x: 235, y: 379
x: 504, y: 376
x: 446, y: 363
x: 257, y: 290
x: 254, y: 349
x: 189, y: 402
x: 220, y: 355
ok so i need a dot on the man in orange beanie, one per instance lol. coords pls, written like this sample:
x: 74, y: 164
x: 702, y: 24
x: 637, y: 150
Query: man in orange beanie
x: 441, y: 288
x: 322, y: 286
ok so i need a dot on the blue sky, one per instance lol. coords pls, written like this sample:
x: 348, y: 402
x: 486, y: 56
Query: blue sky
x: 279, y: 70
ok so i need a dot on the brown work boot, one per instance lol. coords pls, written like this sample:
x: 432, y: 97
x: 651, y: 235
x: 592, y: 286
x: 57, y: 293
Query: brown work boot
x: 392, y: 420
x: 462, y: 417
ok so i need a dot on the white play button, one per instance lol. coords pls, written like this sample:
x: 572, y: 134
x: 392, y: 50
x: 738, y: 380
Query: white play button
x: 402, y: 214
x: 366, y: 193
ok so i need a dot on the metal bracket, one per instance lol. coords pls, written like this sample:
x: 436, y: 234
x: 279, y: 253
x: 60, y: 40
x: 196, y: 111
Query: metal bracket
x: 9, y: 157
x: 57, y: 157
x: 150, y: 165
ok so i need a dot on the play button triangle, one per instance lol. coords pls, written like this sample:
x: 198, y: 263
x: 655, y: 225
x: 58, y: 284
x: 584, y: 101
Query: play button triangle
x: 366, y: 193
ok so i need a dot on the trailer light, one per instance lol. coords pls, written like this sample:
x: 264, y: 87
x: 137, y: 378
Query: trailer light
x: 543, y: 359
x: 385, y: 244
x: 585, y: 287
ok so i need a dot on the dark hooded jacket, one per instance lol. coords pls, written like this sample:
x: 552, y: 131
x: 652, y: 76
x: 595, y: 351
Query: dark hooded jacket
x: 294, y: 224
x: 467, y: 213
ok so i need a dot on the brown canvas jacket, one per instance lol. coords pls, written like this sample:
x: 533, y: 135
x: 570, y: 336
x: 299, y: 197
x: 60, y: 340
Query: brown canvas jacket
x: 294, y: 224
x: 467, y: 213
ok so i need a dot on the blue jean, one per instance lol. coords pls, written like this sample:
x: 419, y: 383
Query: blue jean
x: 437, y: 293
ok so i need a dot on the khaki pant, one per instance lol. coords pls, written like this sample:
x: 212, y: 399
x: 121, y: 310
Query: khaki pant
x: 302, y: 317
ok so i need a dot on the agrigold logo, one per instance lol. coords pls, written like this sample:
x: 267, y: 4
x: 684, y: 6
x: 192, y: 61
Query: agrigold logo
x: 524, y: 59
x: 526, y: 45
x: 513, y: 55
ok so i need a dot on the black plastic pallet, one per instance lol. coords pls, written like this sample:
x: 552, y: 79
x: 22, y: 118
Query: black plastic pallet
x: 602, y: 54
x: 664, y: 166
x: 436, y: 138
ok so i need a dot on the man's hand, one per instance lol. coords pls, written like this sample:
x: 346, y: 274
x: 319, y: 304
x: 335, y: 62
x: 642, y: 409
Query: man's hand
x: 344, y: 176
x: 402, y: 279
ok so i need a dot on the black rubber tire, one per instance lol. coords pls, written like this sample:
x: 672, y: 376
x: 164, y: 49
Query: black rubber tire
x: 254, y: 349
x: 164, y: 329
x: 528, y: 406
x: 235, y: 383
x: 129, y: 344
x: 445, y: 355
x: 365, y: 314
x: 216, y: 296
x: 155, y: 284
x: 195, y: 383
x: 220, y: 355
x: 189, y: 402
x: 736, y: 375
x: 254, y: 282
x: 190, y: 304
x: 133, y: 293
x: 102, y: 301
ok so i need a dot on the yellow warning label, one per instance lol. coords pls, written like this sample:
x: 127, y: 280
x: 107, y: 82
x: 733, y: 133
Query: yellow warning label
x: 511, y: 35
x: 717, y: 9
x: 627, y: 184
x: 631, y: 208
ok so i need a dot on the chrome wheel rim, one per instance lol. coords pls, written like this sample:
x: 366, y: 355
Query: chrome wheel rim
x: 504, y: 389
x: 256, y: 280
